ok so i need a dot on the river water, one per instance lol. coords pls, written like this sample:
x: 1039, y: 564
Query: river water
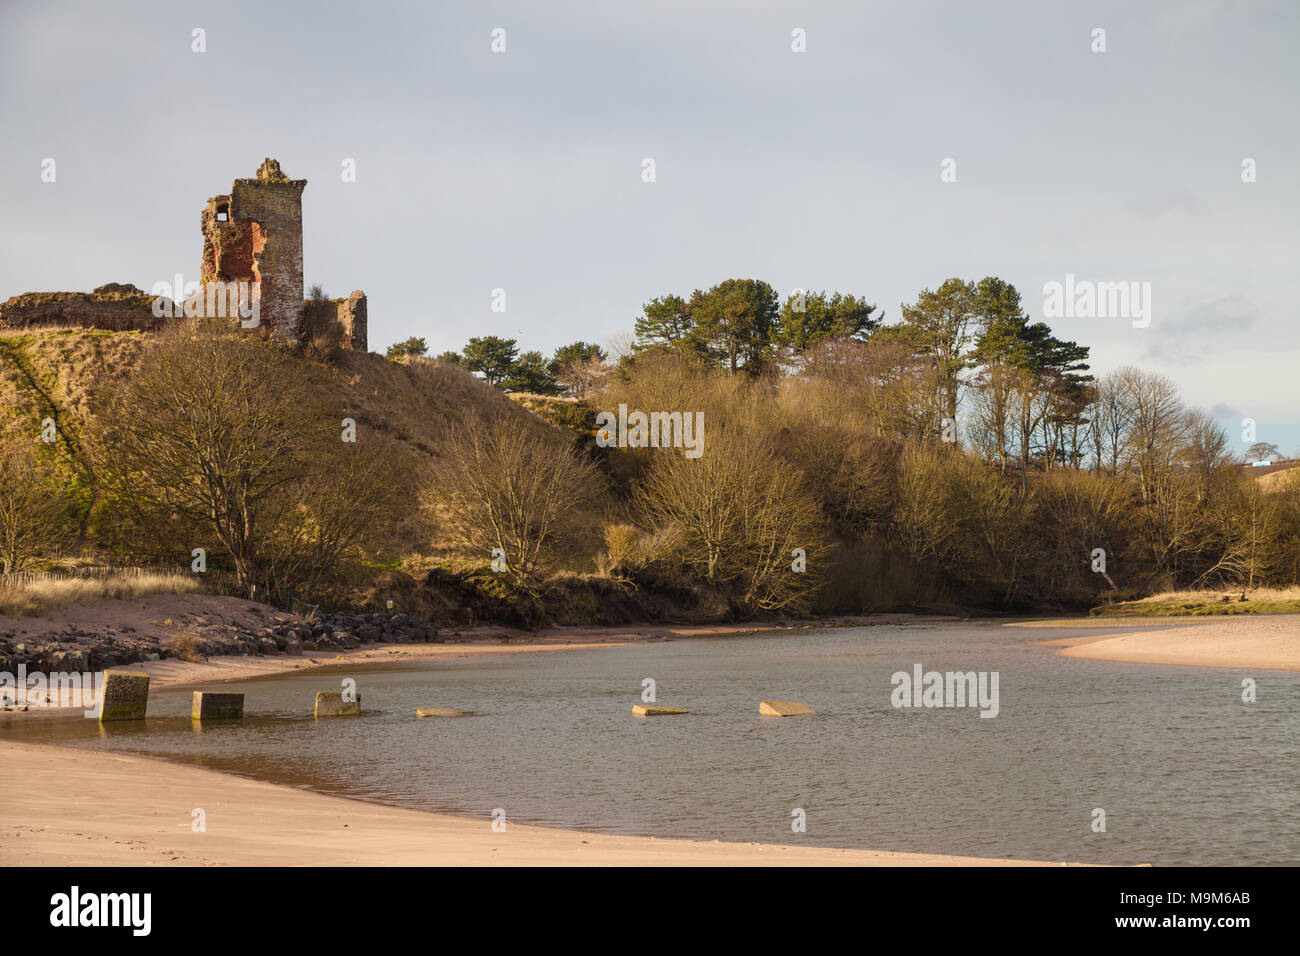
x: 1184, y: 770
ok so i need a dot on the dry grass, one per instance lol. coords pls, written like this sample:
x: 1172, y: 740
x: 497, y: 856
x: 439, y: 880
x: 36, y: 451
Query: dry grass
x: 1281, y: 481
x: 36, y: 597
x: 1272, y: 594
x: 186, y: 648
x: 1198, y: 603
x: 67, y: 363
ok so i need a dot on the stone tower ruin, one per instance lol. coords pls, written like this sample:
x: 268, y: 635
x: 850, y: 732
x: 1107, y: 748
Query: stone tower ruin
x: 255, y: 235
x: 251, y: 237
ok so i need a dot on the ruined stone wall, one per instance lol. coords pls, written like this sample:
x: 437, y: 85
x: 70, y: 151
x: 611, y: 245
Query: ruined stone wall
x: 255, y: 235
x: 353, y: 318
x: 117, y: 307
x: 349, y: 314
x: 228, y: 246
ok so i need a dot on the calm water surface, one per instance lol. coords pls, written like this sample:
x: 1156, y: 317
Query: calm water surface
x: 1186, y: 772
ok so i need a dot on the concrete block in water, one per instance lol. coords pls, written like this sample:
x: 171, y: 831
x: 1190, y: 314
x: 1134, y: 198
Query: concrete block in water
x: 649, y: 710
x: 125, y: 696
x: 330, y: 703
x: 783, y: 708
x: 210, y: 706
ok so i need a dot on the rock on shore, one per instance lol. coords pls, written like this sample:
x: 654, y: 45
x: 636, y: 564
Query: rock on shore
x: 84, y: 648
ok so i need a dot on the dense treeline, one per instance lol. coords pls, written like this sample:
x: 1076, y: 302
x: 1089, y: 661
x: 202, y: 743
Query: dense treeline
x: 906, y: 518
x: 962, y: 456
x: 572, y: 370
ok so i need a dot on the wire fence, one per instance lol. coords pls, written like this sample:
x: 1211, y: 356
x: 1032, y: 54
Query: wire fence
x: 213, y: 581
x: 88, y: 574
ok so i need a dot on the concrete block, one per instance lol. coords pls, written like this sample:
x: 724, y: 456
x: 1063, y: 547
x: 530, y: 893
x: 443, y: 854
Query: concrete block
x: 650, y: 710
x: 783, y: 708
x: 330, y: 703
x: 125, y: 696
x: 210, y: 706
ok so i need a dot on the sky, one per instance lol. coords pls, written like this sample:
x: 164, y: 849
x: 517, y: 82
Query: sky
x: 907, y: 143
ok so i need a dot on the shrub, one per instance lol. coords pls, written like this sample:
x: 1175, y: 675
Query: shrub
x: 186, y: 648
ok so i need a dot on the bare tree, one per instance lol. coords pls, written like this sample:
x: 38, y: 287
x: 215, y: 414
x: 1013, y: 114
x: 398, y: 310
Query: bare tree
x: 1157, y: 426
x: 324, y: 516
x: 741, y: 513
x: 32, y: 505
x: 500, y: 485
x: 580, y: 377
x: 1262, y: 451
x: 960, y: 515
x: 1206, y: 452
x: 1111, y: 419
x: 1252, y: 525
x: 220, y: 433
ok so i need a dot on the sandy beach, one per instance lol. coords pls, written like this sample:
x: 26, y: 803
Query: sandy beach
x: 100, y: 809
x: 1256, y: 642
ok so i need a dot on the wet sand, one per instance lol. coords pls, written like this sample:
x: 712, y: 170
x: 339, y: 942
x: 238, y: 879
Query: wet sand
x: 88, y: 808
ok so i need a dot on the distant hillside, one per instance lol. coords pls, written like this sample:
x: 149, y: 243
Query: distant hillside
x: 1278, y: 477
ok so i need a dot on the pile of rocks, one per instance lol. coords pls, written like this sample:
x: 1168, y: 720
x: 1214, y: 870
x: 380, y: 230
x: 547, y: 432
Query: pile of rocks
x: 75, y: 649
x: 390, y: 627
x: 72, y: 649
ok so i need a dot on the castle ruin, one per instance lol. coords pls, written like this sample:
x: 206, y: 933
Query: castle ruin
x: 252, y: 235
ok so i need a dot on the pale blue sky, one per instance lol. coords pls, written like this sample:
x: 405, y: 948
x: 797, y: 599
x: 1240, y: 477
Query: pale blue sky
x: 522, y: 170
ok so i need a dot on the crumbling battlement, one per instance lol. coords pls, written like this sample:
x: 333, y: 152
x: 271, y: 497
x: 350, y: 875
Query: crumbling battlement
x: 116, y: 306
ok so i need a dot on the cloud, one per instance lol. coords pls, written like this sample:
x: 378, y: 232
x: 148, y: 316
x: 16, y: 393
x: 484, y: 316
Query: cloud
x: 1199, y: 329
x: 1167, y: 203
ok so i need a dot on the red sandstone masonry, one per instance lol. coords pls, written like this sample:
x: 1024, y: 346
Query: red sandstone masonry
x: 255, y: 235
x: 349, y: 313
x: 116, y: 307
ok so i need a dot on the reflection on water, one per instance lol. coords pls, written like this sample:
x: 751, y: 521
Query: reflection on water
x: 1186, y: 772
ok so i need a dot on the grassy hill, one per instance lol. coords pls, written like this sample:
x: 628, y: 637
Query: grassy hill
x: 1280, y: 481
x: 403, y: 412
x: 407, y: 408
